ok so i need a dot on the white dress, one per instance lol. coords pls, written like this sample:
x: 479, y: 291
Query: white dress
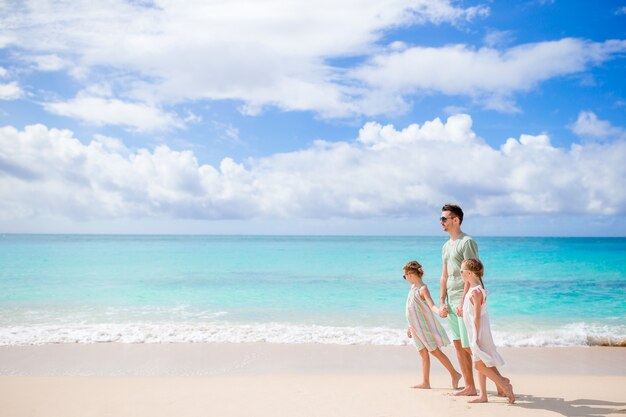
x: 481, y: 342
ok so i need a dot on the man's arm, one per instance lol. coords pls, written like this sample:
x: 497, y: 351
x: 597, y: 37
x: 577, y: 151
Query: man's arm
x: 443, y: 291
x: 470, y: 249
x: 459, y: 308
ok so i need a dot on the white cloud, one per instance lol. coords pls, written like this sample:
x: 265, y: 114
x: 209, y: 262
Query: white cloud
x: 383, y: 173
x: 488, y: 75
x: 107, y: 111
x: 497, y: 38
x: 589, y: 126
x: 443, y: 11
x: 262, y: 52
x: 227, y: 131
x: 621, y: 10
x: 10, y: 91
x: 47, y: 62
x: 279, y: 53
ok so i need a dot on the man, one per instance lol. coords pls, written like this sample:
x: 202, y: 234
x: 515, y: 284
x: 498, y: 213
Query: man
x: 458, y: 248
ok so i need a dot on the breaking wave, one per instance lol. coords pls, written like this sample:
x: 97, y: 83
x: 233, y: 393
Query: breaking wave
x: 575, y: 334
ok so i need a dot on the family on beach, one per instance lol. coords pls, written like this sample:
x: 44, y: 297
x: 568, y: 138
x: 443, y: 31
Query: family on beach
x: 463, y: 302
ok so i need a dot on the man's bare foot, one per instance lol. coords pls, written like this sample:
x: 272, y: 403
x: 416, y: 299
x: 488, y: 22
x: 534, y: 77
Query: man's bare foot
x: 501, y: 392
x: 455, y: 380
x: 481, y: 399
x: 466, y: 392
x: 509, y: 393
x: 423, y: 385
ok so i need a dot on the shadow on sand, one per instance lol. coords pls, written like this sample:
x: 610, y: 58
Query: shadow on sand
x: 574, y: 408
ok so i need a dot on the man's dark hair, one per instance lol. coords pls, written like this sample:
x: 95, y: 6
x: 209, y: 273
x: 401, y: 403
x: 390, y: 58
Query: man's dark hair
x: 454, y: 209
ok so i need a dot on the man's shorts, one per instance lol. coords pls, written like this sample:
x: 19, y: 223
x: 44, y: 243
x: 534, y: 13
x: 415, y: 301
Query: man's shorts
x: 458, y: 331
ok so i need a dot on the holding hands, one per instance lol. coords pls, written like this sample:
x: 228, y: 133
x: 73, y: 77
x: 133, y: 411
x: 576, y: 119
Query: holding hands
x: 443, y: 310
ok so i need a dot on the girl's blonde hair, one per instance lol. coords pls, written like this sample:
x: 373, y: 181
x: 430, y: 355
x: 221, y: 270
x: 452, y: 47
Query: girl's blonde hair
x: 415, y: 268
x: 475, y: 266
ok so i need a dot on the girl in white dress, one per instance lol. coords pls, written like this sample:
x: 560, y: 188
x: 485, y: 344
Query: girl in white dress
x: 476, y: 319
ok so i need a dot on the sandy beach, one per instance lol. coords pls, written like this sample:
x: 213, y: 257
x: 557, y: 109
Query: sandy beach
x: 293, y: 380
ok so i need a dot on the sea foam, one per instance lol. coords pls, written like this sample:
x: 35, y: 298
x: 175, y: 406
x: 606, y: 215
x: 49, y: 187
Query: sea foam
x: 576, y: 334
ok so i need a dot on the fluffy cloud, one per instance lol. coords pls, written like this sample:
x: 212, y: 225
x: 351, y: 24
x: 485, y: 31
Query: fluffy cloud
x: 384, y: 172
x: 589, y: 126
x: 102, y: 111
x: 279, y: 53
x: 10, y: 91
x: 262, y: 52
x: 487, y: 74
x: 46, y: 62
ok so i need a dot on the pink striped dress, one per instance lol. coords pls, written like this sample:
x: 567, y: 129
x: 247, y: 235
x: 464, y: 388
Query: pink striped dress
x: 426, y: 330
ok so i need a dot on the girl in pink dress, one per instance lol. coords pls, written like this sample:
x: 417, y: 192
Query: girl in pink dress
x: 424, y: 328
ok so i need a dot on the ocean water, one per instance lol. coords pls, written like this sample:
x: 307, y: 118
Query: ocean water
x: 295, y: 289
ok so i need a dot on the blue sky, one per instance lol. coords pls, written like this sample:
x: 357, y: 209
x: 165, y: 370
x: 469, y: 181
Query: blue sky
x: 335, y: 117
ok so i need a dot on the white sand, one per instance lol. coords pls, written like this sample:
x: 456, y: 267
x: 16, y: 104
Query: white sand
x: 294, y: 380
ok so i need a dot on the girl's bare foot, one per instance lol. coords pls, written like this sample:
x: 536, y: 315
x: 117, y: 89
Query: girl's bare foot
x: 501, y: 392
x: 466, y: 392
x: 481, y: 399
x: 509, y: 393
x: 423, y: 385
x: 455, y: 380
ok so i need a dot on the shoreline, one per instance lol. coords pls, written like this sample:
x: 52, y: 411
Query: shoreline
x: 262, y: 379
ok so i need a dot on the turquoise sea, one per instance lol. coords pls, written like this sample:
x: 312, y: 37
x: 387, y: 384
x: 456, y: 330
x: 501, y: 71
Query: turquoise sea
x: 295, y: 289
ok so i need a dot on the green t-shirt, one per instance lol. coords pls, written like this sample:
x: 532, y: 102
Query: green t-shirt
x: 453, y: 254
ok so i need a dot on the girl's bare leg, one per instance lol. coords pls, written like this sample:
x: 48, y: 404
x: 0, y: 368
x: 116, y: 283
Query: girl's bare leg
x: 499, y: 380
x: 482, y: 381
x: 456, y: 376
x: 425, y: 370
x: 500, y: 390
